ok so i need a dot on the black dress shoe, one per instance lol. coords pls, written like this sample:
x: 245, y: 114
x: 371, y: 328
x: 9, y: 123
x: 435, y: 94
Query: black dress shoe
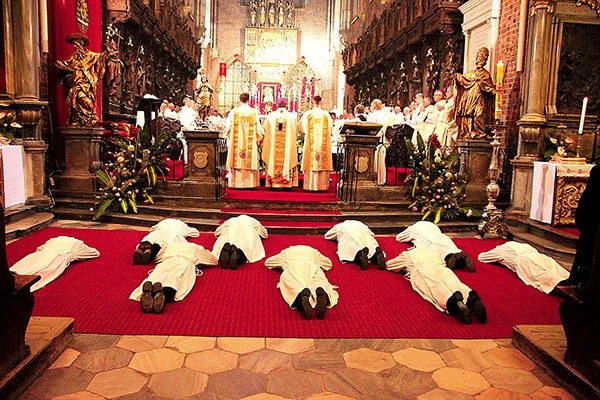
x: 234, y: 257
x: 322, y: 302
x: 456, y: 307
x: 224, y: 256
x: 464, y: 261
x: 451, y: 261
x: 363, y: 258
x: 142, y: 252
x: 379, y: 259
x: 476, y: 306
x: 146, y: 300
x: 305, y: 307
x: 159, y: 297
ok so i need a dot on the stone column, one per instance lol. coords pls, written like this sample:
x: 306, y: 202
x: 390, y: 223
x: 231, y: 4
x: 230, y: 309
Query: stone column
x: 535, y: 97
x: 475, y: 163
x: 82, y: 150
x: 25, y: 35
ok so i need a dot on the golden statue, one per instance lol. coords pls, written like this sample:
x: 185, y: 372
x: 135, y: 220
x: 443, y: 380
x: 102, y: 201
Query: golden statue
x: 475, y: 99
x: 80, y: 74
x: 204, y: 94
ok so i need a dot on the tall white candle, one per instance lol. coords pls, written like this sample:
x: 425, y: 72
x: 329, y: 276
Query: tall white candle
x: 582, y: 120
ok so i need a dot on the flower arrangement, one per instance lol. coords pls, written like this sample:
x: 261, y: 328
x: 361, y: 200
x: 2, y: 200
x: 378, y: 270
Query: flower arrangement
x: 557, y: 145
x: 8, y: 125
x: 438, y: 187
x: 130, y: 173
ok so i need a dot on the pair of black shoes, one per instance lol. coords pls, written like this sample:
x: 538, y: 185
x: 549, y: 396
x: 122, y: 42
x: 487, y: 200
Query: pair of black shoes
x: 231, y: 256
x: 303, y: 303
x: 362, y: 258
x: 457, y: 307
x: 153, y: 297
x: 460, y: 260
x: 145, y: 253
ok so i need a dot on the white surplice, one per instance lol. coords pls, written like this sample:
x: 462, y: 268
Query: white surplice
x: 280, y: 152
x: 352, y: 236
x: 176, y: 268
x: 51, y: 259
x: 535, y: 269
x: 245, y: 233
x: 169, y: 230
x: 302, y: 268
x: 428, y: 276
x: 425, y: 234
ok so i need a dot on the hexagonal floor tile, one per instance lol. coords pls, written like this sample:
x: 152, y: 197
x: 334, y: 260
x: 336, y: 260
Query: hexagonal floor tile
x: 513, y: 380
x: 294, y: 383
x: 190, y: 344
x: 467, y: 359
x: 369, y: 360
x: 240, y: 345
x: 103, y: 360
x: 141, y: 343
x: 117, y: 382
x: 418, y: 359
x: 460, y: 380
x: 178, y: 383
x: 212, y: 361
x: 157, y: 360
x: 290, y: 346
x: 510, y: 357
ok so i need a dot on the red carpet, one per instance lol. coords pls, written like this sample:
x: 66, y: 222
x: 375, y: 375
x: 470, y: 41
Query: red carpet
x: 568, y: 230
x: 280, y: 212
x: 285, y: 195
x: 246, y: 302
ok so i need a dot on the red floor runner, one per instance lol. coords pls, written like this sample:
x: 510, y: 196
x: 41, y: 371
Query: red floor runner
x: 246, y: 302
x: 281, y: 212
x: 570, y: 230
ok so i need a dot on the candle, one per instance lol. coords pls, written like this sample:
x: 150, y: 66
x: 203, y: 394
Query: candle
x: 582, y: 120
x: 499, y: 73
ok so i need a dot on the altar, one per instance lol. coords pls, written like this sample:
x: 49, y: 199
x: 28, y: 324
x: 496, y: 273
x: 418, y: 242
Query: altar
x: 556, y: 191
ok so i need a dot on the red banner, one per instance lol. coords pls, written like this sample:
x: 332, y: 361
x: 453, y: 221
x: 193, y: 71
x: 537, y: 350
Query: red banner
x: 222, y: 69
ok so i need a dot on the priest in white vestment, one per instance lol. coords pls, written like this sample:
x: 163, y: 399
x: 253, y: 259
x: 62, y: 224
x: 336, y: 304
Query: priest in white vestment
x: 173, y: 277
x: 432, y: 115
x: 535, y: 269
x: 317, y: 162
x: 426, y: 234
x: 303, y: 283
x: 167, y: 231
x: 239, y: 239
x: 52, y: 258
x: 279, y: 148
x: 244, y: 133
x: 437, y: 284
x: 446, y: 129
x: 383, y: 116
x: 356, y: 243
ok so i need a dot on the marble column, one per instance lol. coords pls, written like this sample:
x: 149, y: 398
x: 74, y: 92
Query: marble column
x: 535, y: 97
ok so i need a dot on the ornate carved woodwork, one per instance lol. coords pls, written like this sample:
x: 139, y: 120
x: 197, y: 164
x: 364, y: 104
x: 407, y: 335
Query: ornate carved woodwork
x: 152, y: 51
x: 423, y: 47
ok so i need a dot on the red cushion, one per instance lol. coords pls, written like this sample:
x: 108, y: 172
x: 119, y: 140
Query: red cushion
x: 175, y: 172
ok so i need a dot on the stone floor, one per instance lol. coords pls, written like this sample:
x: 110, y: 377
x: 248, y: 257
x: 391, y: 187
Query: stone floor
x: 99, y: 367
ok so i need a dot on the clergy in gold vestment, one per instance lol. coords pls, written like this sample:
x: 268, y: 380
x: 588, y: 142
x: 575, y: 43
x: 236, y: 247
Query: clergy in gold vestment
x: 243, y: 134
x: 317, y: 161
x: 279, y: 148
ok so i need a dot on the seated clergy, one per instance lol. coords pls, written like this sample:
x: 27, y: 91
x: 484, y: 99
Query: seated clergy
x: 430, y: 278
x: 535, y: 269
x: 238, y: 241
x: 173, y: 277
x: 52, y: 258
x: 302, y: 283
x: 356, y: 243
x: 165, y: 232
x: 425, y: 234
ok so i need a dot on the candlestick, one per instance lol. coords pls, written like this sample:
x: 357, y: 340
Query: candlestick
x: 499, y: 73
x: 582, y: 120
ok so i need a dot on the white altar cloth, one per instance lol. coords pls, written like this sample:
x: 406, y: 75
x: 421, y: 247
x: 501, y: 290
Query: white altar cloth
x: 14, y: 175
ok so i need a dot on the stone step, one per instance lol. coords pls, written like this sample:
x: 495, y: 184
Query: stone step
x: 544, y: 231
x: 15, y: 213
x: 28, y: 224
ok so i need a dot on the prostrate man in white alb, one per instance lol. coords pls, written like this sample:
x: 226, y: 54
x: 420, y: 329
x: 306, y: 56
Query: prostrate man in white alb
x: 279, y: 148
x: 173, y: 277
x: 535, y: 269
x: 303, y: 283
x: 238, y: 241
x: 425, y: 234
x: 52, y: 258
x: 167, y: 231
x: 356, y: 243
x: 437, y: 284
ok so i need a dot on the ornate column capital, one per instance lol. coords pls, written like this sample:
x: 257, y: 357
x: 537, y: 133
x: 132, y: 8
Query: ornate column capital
x: 548, y: 5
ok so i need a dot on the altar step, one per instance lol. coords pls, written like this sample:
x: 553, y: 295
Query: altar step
x: 382, y: 218
x: 21, y: 220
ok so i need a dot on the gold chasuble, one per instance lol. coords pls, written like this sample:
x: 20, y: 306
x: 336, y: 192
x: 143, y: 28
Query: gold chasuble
x: 317, y: 161
x: 279, y: 149
x: 243, y: 134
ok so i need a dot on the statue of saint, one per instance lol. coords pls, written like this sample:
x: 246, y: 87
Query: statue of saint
x: 475, y: 99
x: 204, y: 94
x: 80, y: 74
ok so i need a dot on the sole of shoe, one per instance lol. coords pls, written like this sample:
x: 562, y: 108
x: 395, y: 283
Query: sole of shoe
x: 322, y: 300
x: 146, y: 300
x: 464, y: 314
x: 479, y: 311
x: 305, y: 306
